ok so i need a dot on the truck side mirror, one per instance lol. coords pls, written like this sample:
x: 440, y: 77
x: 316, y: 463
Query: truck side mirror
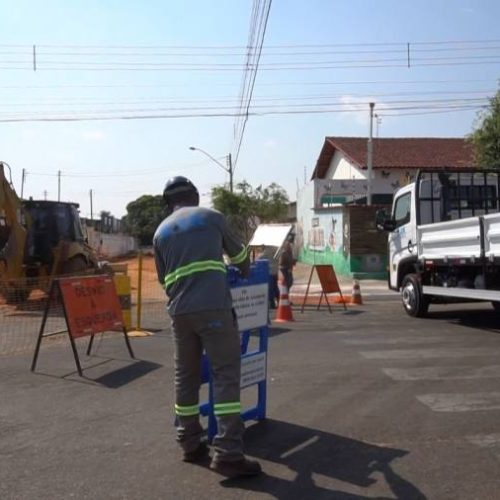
x: 383, y: 221
x: 389, y: 225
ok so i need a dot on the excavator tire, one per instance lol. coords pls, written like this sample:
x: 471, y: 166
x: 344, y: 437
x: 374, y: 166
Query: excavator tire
x: 76, y: 265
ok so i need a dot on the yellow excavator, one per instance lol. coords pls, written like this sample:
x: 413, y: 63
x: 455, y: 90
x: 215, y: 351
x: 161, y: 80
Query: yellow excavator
x: 38, y: 241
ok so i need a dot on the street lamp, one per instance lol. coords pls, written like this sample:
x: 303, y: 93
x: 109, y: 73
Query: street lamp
x: 228, y: 169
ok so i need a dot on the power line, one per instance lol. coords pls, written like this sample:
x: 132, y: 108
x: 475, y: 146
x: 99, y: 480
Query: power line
x: 263, y: 24
x: 304, y: 67
x: 422, y: 102
x: 225, y: 47
x: 73, y: 102
x: 262, y: 84
x: 222, y: 114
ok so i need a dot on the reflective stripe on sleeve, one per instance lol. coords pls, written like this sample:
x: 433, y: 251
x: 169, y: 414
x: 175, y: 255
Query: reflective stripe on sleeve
x: 187, y: 411
x: 239, y: 258
x: 194, y: 267
x: 227, y: 408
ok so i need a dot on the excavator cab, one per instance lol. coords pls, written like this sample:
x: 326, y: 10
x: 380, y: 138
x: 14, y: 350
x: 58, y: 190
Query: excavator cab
x: 56, y: 238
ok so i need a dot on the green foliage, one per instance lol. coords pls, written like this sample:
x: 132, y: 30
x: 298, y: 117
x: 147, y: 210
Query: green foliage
x: 486, y: 137
x: 246, y: 207
x: 143, y: 217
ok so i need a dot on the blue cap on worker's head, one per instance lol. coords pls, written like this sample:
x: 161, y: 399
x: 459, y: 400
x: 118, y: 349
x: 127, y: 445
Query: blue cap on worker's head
x: 180, y: 190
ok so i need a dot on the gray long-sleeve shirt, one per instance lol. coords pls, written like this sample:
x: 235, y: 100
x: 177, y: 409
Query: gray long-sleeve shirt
x: 188, y: 247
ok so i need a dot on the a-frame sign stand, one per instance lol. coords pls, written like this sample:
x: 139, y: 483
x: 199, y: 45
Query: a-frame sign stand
x: 329, y: 284
x: 90, y: 305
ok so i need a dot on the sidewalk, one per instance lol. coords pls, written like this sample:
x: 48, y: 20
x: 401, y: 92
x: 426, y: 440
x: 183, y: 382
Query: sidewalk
x: 368, y: 288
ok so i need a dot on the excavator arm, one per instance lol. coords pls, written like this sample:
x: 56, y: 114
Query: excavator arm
x: 12, y: 233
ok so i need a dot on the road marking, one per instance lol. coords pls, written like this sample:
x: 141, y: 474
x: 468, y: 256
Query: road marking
x: 446, y: 402
x: 440, y: 352
x: 443, y: 372
x: 490, y: 442
x: 402, y: 340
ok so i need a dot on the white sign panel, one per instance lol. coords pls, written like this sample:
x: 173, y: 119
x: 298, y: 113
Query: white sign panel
x: 251, y: 303
x: 271, y: 235
x: 253, y: 369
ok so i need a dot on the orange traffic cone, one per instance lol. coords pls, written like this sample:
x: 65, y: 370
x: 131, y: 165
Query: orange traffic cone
x: 356, y: 293
x: 284, y: 311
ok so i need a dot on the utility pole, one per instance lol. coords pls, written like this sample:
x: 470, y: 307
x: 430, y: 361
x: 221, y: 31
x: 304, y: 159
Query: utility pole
x: 45, y: 195
x: 370, y: 157
x: 378, y: 121
x: 23, y: 178
x: 91, y: 207
x: 58, y: 185
x: 230, y: 170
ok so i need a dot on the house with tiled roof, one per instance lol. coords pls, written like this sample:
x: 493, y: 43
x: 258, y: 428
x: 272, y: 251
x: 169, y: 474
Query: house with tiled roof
x: 334, y: 223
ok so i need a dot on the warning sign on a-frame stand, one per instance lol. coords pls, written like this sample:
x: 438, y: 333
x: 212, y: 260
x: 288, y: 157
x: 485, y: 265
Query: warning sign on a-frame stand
x: 329, y: 284
x: 90, y: 305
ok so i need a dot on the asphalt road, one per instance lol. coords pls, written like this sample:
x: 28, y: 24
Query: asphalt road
x: 362, y: 404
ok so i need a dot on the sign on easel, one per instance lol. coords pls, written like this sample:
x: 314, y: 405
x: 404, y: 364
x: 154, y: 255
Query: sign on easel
x: 90, y: 305
x: 329, y: 284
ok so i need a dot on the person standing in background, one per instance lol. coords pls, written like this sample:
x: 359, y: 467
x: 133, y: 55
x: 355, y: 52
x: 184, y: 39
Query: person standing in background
x: 287, y: 261
x: 269, y: 253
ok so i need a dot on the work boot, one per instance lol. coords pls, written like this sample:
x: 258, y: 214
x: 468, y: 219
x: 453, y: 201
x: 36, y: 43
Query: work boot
x: 197, y: 455
x: 237, y: 468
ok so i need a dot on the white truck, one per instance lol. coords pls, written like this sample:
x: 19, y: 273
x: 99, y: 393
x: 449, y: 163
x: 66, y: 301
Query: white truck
x: 444, y: 239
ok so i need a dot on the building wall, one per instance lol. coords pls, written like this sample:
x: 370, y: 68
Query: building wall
x: 319, y: 235
x: 341, y: 168
x: 111, y: 245
x: 366, y: 247
x: 342, y: 235
x: 385, y: 181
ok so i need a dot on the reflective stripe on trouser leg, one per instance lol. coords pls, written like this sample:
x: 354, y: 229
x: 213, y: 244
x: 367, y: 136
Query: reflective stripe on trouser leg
x: 227, y: 408
x: 187, y: 411
x: 188, y: 350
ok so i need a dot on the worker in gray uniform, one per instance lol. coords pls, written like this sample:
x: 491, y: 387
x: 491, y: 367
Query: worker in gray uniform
x: 188, y: 247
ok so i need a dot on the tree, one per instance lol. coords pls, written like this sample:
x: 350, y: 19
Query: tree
x: 143, y: 217
x: 246, y: 207
x: 486, y: 137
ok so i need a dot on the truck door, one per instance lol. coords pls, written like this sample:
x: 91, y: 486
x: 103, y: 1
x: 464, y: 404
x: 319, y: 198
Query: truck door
x: 401, y: 239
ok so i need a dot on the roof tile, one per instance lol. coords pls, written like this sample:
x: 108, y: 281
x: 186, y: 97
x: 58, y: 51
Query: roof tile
x: 398, y: 152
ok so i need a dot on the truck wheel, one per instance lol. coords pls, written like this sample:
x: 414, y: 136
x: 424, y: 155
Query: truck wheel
x: 415, y: 303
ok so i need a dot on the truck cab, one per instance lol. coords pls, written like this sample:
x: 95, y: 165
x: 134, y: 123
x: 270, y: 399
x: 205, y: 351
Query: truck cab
x: 402, y: 235
x: 444, y: 238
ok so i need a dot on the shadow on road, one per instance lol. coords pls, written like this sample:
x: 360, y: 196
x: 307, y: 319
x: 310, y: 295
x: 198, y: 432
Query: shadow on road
x: 127, y: 374
x: 483, y: 319
x: 112, y: 380
x: 310, y: 452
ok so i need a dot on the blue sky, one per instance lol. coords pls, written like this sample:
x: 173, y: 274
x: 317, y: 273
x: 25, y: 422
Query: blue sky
x: 120, y: 160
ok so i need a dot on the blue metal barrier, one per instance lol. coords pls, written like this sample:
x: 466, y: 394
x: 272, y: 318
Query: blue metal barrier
x: 250, y: 300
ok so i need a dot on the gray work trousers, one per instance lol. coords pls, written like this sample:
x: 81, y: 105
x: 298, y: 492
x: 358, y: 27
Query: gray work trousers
x: 216, y: 332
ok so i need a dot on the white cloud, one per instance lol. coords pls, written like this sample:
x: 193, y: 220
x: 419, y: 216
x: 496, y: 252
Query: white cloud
x: 270, y: 143
x: 358, y: 109
x: 93, y: 135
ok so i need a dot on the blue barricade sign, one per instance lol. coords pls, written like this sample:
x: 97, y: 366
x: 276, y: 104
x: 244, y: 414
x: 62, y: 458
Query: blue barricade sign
x: 251, y: 303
